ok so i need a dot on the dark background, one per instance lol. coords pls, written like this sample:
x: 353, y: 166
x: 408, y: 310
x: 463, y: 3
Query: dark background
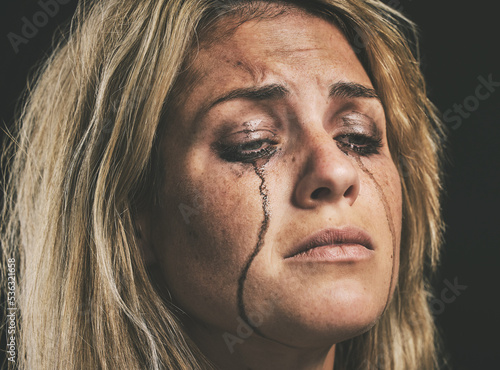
x: 460, y: 42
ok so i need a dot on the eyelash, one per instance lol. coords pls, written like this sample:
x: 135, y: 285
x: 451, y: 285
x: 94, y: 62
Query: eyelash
x: 365, y: 145
x: 360, y: 144
x: 237, y: 153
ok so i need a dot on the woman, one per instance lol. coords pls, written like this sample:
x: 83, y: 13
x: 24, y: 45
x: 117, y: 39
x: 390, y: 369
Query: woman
x: 227, y: 184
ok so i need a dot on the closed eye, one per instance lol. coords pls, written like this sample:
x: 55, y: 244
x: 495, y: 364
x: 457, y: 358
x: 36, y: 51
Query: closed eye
x: 247, y: 151
x: 360, y: 144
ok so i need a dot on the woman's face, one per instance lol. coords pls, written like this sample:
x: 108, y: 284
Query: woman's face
x: 278, y: 146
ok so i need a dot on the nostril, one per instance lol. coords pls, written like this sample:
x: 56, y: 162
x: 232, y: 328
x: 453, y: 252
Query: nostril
x: 319, y: 192
x: 349, y: 192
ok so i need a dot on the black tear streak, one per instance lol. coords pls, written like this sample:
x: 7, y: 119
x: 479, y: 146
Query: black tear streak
x: 388, y: 218
x: 260, y: 242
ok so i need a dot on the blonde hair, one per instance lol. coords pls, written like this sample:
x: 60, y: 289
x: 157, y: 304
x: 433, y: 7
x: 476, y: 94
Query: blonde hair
x: 84, y: 159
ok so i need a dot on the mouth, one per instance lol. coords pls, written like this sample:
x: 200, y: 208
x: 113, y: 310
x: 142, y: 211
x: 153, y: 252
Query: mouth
x: 346, y: 243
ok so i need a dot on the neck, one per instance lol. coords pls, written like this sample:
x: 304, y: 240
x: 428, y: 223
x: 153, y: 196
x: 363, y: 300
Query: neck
x: 244, y: 351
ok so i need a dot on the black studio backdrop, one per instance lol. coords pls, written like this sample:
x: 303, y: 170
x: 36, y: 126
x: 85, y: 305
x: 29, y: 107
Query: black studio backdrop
x: 461, y: 58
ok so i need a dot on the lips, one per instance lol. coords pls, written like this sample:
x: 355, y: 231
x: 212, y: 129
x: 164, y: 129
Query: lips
x: 343, y: 237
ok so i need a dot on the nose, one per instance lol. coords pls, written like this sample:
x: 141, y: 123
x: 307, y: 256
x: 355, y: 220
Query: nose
x: 328, y: 175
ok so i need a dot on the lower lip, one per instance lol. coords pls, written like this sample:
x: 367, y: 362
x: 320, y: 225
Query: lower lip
x: 335, y: 253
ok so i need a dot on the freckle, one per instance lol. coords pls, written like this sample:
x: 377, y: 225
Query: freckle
x: 237, y: 172
x: 293, y: 159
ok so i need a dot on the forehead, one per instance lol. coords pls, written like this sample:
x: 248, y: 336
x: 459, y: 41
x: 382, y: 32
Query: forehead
x: 291, y: 36
x: 293, y: 47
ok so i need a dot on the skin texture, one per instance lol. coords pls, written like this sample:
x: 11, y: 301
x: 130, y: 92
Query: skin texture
x: 212, y: 212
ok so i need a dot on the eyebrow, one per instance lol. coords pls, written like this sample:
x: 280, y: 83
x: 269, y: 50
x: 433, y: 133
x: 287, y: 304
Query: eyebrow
x: 343, y: 90
x: 267, y: 92
x: 351, y: 90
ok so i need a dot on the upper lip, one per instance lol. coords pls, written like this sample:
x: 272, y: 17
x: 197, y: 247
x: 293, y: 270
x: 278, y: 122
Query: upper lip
x: 333, y: 236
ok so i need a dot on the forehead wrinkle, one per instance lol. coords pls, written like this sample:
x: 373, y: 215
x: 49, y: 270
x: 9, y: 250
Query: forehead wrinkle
x: 256, y: 72
x: 292, y: 53
x: 227, y: 53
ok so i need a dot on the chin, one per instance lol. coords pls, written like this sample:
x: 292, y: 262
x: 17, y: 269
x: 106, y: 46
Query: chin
x: 327, y: 319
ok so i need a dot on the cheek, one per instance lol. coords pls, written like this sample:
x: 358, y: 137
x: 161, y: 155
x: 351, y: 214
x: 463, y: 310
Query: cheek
x: 382, y: 176
x: 207, y: 229
x: 389, y: 184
